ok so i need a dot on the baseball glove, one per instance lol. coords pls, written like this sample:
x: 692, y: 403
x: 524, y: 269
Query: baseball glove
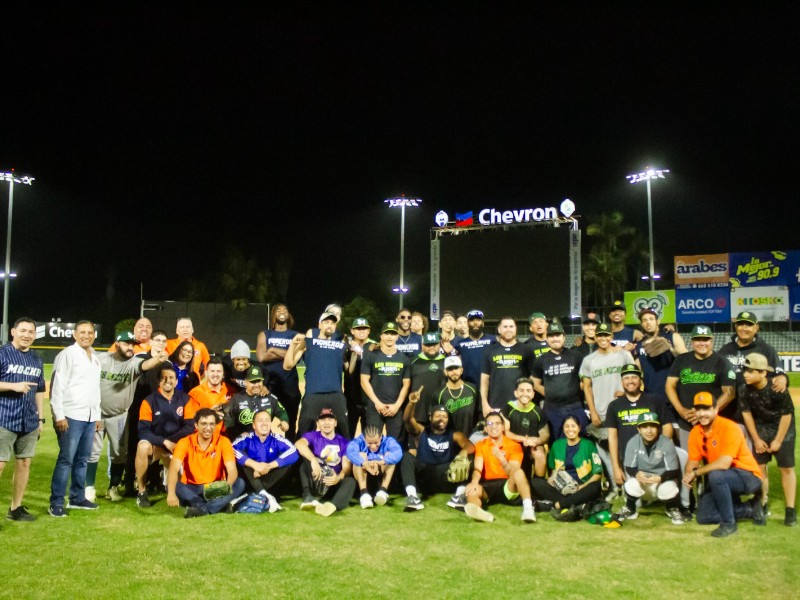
x: 216, y: 489
x: 656, y: 346
x: 458, y: 470
x: 563, y: 482
x: 318, y: 487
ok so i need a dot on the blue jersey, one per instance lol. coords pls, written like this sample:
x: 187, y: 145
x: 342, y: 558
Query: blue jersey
x: 324, y: 360
x: 274, y: 447
x: 471, y: 352
x: 18, y: 411
x: 388, y: 451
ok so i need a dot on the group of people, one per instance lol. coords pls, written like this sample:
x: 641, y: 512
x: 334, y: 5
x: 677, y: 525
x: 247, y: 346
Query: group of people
x: 482, y: 417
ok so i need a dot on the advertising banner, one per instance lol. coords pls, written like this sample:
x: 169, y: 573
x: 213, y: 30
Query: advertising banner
x: 702, y: 305
x: 701, y: 270
x: 769, y: 303
x: 756, y: 269
x: 794, y: 303
x: 575, y: 272
x: 792, y: 267
x: 59, y: 334
x: 663, y: 301
x: 790, y: 361
x: 435, y: 260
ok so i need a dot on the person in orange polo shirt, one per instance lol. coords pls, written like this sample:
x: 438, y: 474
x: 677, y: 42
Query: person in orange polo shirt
x: 212, y: 393
x: 729, y: 467
x: 206, y: 458
x: 497, y: 476
x: 184, y: 331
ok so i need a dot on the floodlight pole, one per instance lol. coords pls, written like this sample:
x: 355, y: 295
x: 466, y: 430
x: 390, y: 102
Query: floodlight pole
x: 647, y: 175
x: 402, y: 202
x: 11, y: 178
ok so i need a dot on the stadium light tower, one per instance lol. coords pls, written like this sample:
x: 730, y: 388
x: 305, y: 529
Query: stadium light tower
x: 402, y: 202
x: 11, y: 178
x: 647, y: 175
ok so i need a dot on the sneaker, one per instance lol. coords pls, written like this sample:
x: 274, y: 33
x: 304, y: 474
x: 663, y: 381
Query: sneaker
x: 476, y: 513
x: 381, y: 497
x: 57, y: 511
x: 543, y: 505
x: 626, y: 514
x: 309, y: 503
x: 114, y: 494
x: 675, y: 516
x: 91, y: 493
x: 82, y: 504
x: 274, y: 506
x: 758, y: 511
x: 326, y: 509
x: 686, y: 514
x: 230, y: 507
x: 142, y: 501
x: 20, y: 514
x: 457, y: 501
x: 528, y: 515
x: 612, y: 495
x: 724, y: 530
x: 790, y: 517
x: 366, y: 501
x: 195, y: 511
x: 412, y: 503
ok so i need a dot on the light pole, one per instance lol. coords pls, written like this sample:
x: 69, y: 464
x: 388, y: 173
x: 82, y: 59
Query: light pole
x: 402, y: 202
x: 647, y: 175
x: 11, y: 178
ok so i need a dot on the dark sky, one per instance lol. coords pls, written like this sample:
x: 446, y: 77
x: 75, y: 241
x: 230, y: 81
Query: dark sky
x: 157, y: 135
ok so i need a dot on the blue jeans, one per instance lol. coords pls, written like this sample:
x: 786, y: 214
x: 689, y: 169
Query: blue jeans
x: 74, y: 449
x: 191, y: 494
x: 722, y: 487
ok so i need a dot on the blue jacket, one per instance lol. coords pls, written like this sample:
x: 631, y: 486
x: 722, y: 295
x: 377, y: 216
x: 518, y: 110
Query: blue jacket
x: 274, y: 447
x: 389, y: 451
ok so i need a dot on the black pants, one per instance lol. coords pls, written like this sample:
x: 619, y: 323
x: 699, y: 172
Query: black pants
x: 339, y: 494
x: 430, y: 479
x: 313, y: 403
x: 265, y: 482
x: 544, y: 491
x: 394, y: 425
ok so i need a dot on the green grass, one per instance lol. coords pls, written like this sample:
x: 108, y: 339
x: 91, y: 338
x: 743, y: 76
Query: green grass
x: 121, y: 551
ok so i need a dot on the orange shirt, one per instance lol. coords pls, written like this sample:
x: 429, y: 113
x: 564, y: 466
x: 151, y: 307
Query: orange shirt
x: 204, y: 466
x: 202, y: 396
x: 492, y: 468
x: 725, y: 439
x: 201, y: 354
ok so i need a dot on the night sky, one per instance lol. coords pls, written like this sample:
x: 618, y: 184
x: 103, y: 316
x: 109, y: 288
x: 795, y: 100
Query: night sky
x: 158, y: 135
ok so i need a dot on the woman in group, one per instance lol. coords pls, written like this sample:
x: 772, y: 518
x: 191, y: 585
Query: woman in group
x: 578, y: 457
x: 181, y: 359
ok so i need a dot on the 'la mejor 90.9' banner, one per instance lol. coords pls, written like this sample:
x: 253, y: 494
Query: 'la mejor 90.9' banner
x: 756, y: 269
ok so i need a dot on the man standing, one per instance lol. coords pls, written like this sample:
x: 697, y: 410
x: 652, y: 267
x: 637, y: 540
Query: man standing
x: 386, y: 379
x: 119, y: 375
x: 656, y: 352
x: 503, y: 364
x: 324, y: 358
x: 203, y: 458
x: 701, y: 370
x: 537, y: 325
x: 471, y: 348
x: 236, y: 366
x: 358, y: 344
x: 729, y: 467
x: 408, y: 342
x: 184, y: 330
x: 427, y: 375
x: 75, y: 405
x: 586, y: 343
x: 624, y: 336
x: 21, y: 416
x: 271, y: 350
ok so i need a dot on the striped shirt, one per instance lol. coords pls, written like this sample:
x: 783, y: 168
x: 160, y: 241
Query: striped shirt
x: 18, y: 411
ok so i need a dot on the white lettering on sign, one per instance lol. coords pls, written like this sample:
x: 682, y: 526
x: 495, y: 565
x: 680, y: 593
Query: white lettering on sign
x: 696, y: 304
x: 490, y: 216
x: 56, y: 331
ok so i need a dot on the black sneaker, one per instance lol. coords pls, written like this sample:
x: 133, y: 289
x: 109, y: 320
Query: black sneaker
x: 790, y: 517
x: 195, y: 511
x: 142, y: 501
x: 413, y: 503
x: 457, y: 501
x: 543, y: 506
x: 57, y: 511
x: 724, y: 530
x: 82, y: 504
x: 758, y: 511
x: 20, y: 514
x: 686, y: 514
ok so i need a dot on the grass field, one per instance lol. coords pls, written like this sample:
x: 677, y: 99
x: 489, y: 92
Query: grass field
x: 121, y: 551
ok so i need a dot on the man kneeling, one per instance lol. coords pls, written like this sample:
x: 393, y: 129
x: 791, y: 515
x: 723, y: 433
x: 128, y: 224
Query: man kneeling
x: 209, y: 481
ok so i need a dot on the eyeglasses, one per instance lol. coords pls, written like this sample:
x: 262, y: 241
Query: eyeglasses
x: 206, y: 425
x: 495, y: 424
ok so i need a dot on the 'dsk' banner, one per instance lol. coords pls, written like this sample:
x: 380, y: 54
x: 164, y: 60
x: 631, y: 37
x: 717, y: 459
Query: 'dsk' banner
x: 770, y: 303
x: 756, y: 269
x: 702, y: 305
x: 662, y: 301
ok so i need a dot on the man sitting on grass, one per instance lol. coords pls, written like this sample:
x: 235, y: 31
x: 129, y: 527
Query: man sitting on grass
x: 374, y: 457
x: 497, y: 476
x: 209, y: 481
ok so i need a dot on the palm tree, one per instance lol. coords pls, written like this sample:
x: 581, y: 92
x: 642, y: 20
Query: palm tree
x: 606, y: 268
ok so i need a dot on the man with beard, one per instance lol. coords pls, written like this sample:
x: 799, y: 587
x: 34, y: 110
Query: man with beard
x: 471, y: 348
x: 503, y: 364
x: 212, y: 393
x: 271, y: 348
x: 459, y: 397
x: 323, y: 351
x: 586, y: 344
x: 656, y: 352
x: 427, y: 375
x: 408, y: 342
x: 438, y: 446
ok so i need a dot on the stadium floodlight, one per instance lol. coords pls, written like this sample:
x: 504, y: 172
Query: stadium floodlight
x: 402, y: 202
x: 646, y: 176
x: 11, y: 178
x: 647, y: 277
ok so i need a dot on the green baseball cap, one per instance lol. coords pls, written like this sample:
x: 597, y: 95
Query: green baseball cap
x: 359, y: 322
x: 746, y: 317
x: 389, y: 327
x: 431, y: 338
x: 603, y: 329
x: 702, y: 331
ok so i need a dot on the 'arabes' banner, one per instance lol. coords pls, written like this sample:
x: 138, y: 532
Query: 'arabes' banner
x: 769, y: 303
x: 701, y: 269
x: 703, y: 305
x: 663, y: 301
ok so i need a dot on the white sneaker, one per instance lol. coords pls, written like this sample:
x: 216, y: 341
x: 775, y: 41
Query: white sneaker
x: 528, y: 515
x: 475, y: 512
x: 273, y: 504
x: 326, y: 509
x: 381, y: 498
x: 90, y: 493
x: 366, y: 501
x: 113, y: 494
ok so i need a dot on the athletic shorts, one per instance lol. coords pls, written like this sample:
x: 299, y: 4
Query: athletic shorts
x: 784, y: 456
x: 21, y: 445
x: 497, y: 491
